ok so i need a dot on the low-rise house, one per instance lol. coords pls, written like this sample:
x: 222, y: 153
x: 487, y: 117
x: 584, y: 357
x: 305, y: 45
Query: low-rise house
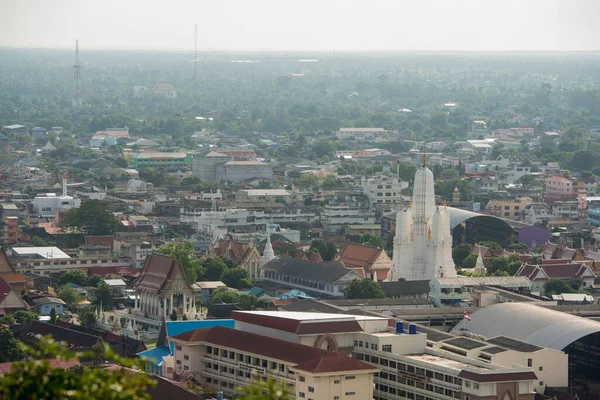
x: 244, y: 255
x: 539, y: 275
x: 117, y: 287
x: 373, y: 260
x: 205, y: 289
x: 45, y: 305
x: 325, y: 278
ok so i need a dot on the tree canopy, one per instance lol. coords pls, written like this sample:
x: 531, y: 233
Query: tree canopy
x: 92, y: 218
x: 364, y: 289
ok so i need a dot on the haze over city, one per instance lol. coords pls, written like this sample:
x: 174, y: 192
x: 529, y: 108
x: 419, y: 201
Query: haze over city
x: 309, y: 25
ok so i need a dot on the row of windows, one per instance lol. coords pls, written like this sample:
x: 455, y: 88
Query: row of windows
x: 258, y: 362
x: 411, y: 369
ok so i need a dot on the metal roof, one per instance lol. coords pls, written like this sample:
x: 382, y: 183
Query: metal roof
x: 532, y: 324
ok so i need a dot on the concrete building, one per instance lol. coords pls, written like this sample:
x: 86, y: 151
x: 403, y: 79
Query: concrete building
x: 264, y: 196
x: 428, y: 365
x: 335, y: 217
x: 559, y: 188
x: 216, y: 167
x: 510, y: 209
x: 325, y: 278
x: 364, y: 134
x: 47, y: 204
x: 157, y: 159
x: 539, y: 213
x: 383, y: 190
x: 543, y: 327
x: 444, y: 292
x: 225, y: 359
x: 45, y: 305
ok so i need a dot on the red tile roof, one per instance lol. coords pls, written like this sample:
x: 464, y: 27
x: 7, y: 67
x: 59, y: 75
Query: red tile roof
x: 5, y: 265
x: 564, y: 270
x: 556, y: 261
x: 305, y: 357
x: 335, y: 363
x: 62, y: 364
x: 355, y: 255
x: 5, y: 288
x: 297, y: 326
x: 157, y: 272
x: 14, y: 278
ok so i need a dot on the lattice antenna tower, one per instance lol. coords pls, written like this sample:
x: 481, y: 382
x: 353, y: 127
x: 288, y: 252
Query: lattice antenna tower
x: 77, y: 77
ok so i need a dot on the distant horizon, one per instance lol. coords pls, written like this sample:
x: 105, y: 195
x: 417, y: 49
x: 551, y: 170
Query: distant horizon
x: 262, y: 51
x: 307, y: 26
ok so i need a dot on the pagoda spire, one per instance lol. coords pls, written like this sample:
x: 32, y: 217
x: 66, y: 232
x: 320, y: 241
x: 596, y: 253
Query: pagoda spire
x: 268, y: 253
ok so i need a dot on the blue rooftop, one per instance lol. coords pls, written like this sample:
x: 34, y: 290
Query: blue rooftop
x: 156, y: 354
x: 175, y: 328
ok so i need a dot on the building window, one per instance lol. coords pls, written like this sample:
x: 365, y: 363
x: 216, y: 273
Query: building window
x: 337, y: 381
x: 311, y: 389
x: 529, y: 362
x: 178, y: 362
x: 209, y: 350
x: 301, y: 394
x: 541, y: 368
x: 350, y: 393
x: 302, y: 379
x: 475, y: 385
x: 349, y: 377
x: 186, y: 357
x: 186, y: 368
x: 387, y: 348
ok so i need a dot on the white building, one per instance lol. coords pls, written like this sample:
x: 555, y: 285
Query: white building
x: 362, y: 134
x: 537, y: 213
x: 383, y: 190
x: 423, y: 240
x: 415, y: 364
x: 264, y: 195
x: 334, y: 218
x: 47, y: 204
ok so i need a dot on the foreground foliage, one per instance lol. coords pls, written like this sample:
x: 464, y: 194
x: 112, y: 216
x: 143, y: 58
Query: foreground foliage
x: 35, y: 378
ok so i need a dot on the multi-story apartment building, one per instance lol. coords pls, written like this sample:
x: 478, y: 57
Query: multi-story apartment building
x: 418, y: 362
x: 335, y: 217
x: 383, y: 190
x: 510, y: 209
x: 364, y: 134
x: 239, y: 216
x: 226, y: 359
x: 537, y: 213
x: 559, y: 188
x: 158, y: 159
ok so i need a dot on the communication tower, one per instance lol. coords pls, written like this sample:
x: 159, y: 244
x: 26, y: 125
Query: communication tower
x: 77, y: 76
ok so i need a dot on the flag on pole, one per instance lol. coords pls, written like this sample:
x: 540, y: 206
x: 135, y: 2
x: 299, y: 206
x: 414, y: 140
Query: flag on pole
x: 467, y: 317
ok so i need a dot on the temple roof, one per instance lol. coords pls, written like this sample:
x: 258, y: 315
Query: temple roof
x: 5, y: 266
x: 158, y: 271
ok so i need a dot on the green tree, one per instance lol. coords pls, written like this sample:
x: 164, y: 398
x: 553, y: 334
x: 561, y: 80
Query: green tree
x: 25, y: 317
x: 557, y: 286
x: 94, y: 280
x: 184, y: 253
x: 308, y: 179
x: 224, y: 295
x: 235, y: 277
x: 364, y: 289
x: 37, y: 241
x: 10, y: 349
x: 214, y: 268
x: 69, y: 296
x: 264, y: 390
x: 469, y: 261
x: 92, y: 218
x: 87, y: 317
x: 103, y: 293
x: 7, y: 319
x: 53, y: 316
x: 35, y: 378
x: 490, y: 245
x: 173, y: 316
x: 460, y: 253
x: 75, y: 276
x: 247, y: 301
x: 327, y: 250
x: 331, y: 181
x: 497, y: 264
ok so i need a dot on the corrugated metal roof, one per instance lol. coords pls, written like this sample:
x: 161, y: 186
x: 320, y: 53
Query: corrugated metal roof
x: 532, y: 324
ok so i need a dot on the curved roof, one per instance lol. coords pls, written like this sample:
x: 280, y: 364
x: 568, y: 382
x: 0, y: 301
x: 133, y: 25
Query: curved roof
x: 458, y: 215
x: 530, y: 323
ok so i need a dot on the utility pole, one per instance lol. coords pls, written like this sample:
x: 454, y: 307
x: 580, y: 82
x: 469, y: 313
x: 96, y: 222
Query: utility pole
x: 77, y: 76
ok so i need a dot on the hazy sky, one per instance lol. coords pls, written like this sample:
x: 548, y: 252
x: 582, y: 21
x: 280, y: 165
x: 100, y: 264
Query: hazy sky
x: 316, y: 25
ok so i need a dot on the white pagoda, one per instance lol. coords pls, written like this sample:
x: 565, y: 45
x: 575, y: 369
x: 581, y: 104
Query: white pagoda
x: 423, y: 241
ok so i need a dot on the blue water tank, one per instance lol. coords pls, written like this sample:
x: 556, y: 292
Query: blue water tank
x: 412, y: 329
x: 399, y: 327
x: 219, y: 395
